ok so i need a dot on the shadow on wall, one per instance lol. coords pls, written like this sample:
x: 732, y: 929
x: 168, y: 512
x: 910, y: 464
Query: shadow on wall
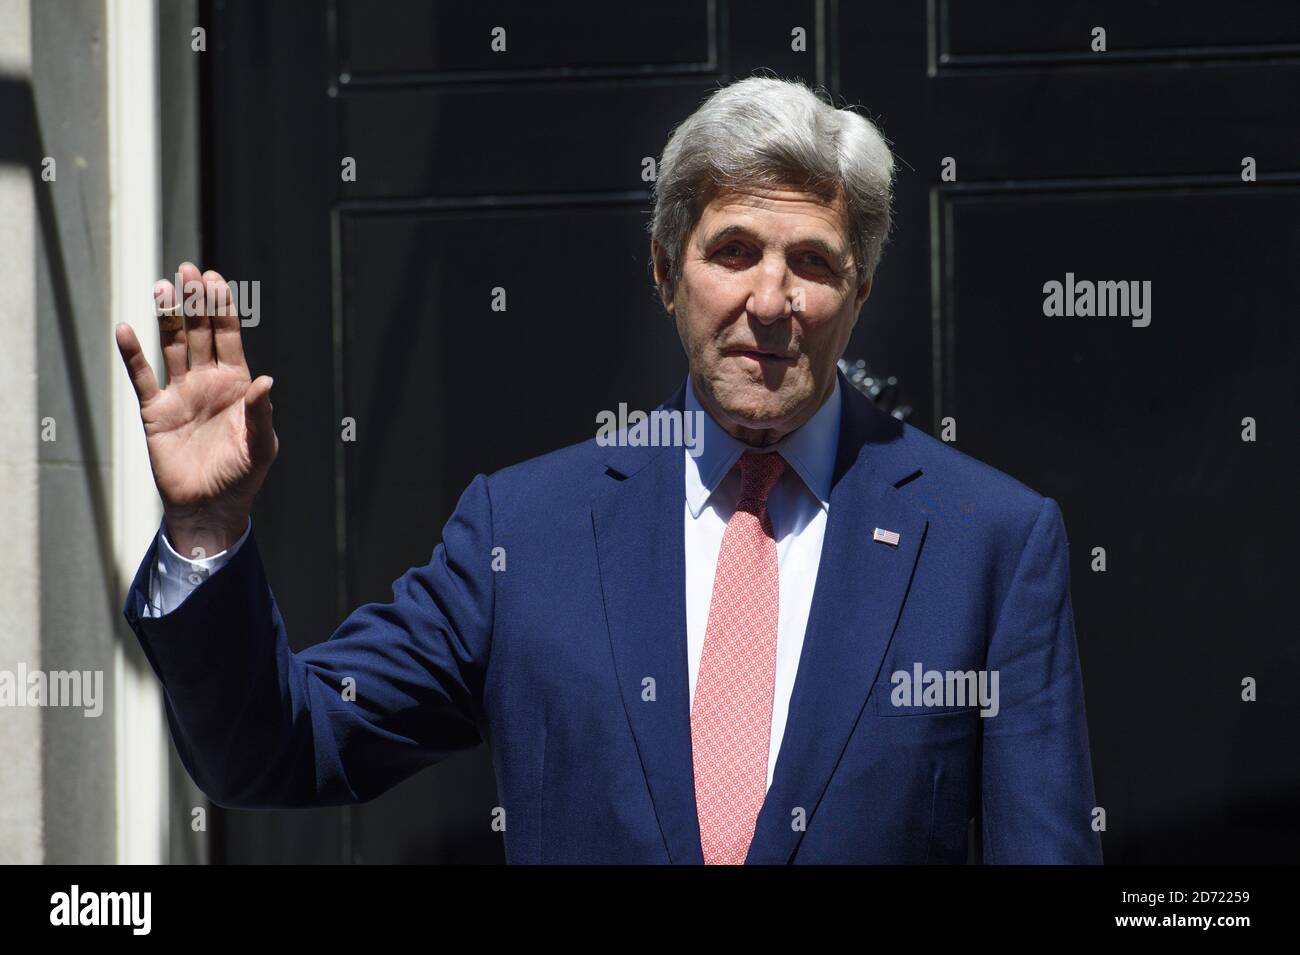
x: 24, y: 146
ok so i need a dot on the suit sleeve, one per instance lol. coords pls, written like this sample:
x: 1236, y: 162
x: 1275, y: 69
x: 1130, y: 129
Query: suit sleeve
x: 1037, y: 787
x: 397, y: 687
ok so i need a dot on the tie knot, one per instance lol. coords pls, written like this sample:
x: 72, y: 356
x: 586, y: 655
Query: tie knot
x: 758, y: 475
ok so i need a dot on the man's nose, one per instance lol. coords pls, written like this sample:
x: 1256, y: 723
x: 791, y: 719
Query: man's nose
x: 769, y: 300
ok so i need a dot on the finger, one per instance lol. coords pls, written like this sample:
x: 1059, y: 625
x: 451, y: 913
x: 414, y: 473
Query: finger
x: 198, y: 329
x: 225, y: 328
x: 257, y: 419
x: 137, y: 366
x: 172, y: 340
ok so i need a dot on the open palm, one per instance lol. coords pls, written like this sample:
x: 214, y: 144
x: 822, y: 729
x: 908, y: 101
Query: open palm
x: 209, y: 431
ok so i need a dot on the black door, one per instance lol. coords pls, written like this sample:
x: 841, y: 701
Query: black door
x: 487, y: 176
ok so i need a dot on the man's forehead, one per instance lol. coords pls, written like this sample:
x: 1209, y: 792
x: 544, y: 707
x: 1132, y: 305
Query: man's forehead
x: 732, y: 211
x: 778, y: 199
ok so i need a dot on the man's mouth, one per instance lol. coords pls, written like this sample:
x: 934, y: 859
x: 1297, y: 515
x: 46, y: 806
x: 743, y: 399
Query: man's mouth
x: 759, y: 355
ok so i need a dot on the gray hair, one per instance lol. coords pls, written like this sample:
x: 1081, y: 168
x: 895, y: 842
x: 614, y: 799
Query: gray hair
x: 770, y: 133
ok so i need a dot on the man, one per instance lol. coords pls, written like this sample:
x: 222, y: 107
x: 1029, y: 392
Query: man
x: 674, y: 657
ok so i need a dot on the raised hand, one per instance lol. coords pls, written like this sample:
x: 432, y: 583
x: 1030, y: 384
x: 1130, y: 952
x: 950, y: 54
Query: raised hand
x: 209, y: 431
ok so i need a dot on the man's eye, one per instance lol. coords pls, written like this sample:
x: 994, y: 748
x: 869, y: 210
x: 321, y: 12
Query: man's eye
x: 731, y: 250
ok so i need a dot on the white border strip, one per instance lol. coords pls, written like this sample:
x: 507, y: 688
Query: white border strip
x: 134, y: 222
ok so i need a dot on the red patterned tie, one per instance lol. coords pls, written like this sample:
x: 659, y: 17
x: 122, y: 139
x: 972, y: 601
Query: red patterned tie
x: 731, y: 717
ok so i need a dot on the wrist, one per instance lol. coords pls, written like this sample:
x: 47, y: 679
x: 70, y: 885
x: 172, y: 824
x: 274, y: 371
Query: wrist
x: 197, y: 535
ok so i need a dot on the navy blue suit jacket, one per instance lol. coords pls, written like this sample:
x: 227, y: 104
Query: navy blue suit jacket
x: 550, y: 661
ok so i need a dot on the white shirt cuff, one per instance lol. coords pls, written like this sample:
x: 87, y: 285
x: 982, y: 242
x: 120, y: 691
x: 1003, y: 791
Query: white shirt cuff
x: 175, y: 577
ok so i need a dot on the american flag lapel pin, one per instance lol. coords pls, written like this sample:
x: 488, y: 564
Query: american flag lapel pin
x: 885, y: 537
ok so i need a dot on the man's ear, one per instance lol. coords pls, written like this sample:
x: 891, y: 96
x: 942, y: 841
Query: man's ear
x: 659, y: 256
x: 864, y: 292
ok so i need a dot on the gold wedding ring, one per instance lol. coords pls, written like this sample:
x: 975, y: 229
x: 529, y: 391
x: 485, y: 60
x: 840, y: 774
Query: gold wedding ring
x: 171, y: 319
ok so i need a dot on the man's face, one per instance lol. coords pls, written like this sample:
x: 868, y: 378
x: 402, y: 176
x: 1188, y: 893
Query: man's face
x: 764, y: 305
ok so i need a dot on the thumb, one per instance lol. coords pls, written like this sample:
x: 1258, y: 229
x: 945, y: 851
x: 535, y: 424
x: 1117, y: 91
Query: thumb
x: 257, y: 418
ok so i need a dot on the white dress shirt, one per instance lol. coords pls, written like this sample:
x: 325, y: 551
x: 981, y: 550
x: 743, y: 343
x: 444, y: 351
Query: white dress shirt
x: 797, y: 506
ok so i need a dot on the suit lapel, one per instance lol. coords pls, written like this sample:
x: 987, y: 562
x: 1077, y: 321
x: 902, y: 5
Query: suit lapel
x: 857, y: 600
x: 640, y: 546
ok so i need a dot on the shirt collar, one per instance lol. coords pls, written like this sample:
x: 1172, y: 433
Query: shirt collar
x: 809, y: 450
